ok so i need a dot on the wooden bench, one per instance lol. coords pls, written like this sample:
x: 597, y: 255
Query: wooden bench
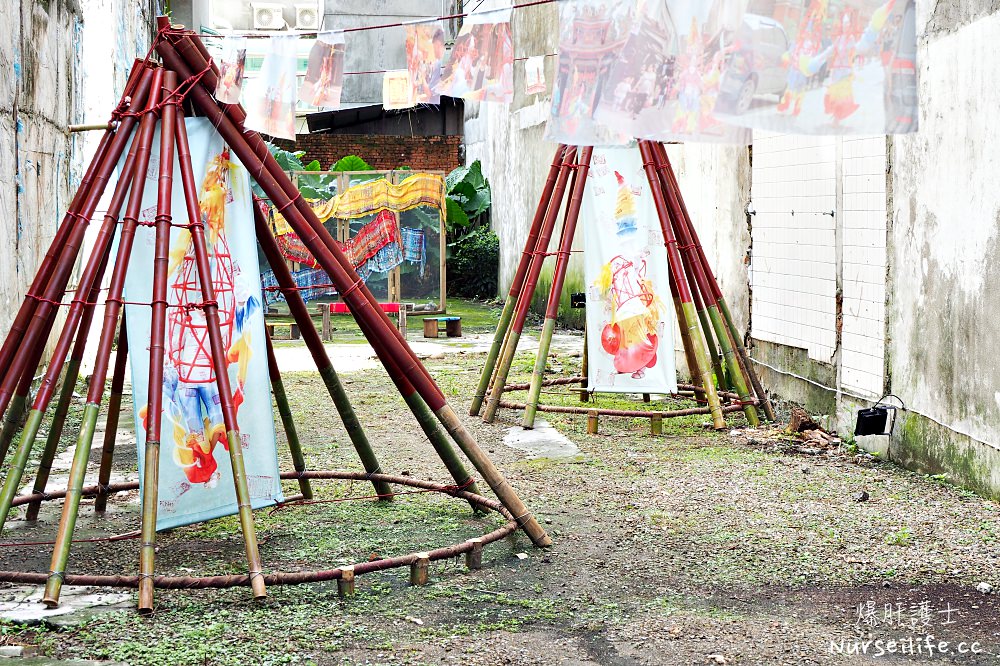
x: 327, y: 309
x: 452, y: 326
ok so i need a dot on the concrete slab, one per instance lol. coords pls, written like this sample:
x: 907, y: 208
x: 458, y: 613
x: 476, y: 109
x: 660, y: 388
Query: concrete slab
x: 542, y: 441
x: 23, y: 604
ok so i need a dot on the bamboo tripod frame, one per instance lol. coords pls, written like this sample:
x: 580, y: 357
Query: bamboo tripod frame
x: 714, y: 349
x: 161, y: 95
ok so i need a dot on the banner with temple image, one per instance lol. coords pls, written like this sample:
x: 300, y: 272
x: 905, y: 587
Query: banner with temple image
x: 666, y: 81
x: 630, y: 316
x: 481, y: 65
x: 824, y: 67
x: 272, y: 95
x: 195, y: 473
x: 324, y: 80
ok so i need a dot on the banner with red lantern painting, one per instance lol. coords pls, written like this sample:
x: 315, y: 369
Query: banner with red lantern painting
x: 195, y: 473
x: 630, y: 316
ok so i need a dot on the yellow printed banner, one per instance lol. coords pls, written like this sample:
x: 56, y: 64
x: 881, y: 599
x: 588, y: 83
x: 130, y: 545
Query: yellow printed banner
x: 420, y: 189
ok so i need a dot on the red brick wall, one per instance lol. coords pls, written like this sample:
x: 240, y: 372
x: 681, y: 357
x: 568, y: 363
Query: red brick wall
x: 431, y: 153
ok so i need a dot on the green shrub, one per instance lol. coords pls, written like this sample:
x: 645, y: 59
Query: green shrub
x: 473, y: 265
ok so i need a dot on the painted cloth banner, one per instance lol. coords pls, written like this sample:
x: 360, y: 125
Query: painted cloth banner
x: 830, y: 68
x: 195, y: 476
x: 666, y: 81
x: 397, y: 91
x: 231, y: 65
x: 481, y: 66
x: 630, y: 317
x: 534, y: 75
x: 424, y: 60
x: 591, y: 36
x: 271, y: 96
x: 324, y: 81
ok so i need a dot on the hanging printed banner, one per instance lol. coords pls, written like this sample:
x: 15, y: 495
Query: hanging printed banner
x: 630, y: 347
x: 231, y: 65
x: 666, y: 82
x: 397, y: 92
x: 271, y: 96
x: 324, y: 79
x: 481, y: 66
x: 828, y: 67
x: 424, y: 60
x: 195, y: 475
x: 591, y: 36
x: 534, y: 75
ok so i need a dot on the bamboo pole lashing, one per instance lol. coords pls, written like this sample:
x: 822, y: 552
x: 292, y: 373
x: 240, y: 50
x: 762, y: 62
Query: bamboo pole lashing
x: 86, y: 293
x: 517, y: 282
x: 300, y: 313
x: 684, y: 293
x: 372, y: 320
x: 218, y: 348
x: 67, y: 522
x: 530, y: 283
x: 742, y: 353
x: 558, y: 280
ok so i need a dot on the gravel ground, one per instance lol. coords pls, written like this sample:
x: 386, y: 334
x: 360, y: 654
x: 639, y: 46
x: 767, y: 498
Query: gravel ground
x: 694, y: 547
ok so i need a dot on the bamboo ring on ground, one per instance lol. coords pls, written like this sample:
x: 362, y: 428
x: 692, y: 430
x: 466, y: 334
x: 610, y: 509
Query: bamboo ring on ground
x: 277, y: 578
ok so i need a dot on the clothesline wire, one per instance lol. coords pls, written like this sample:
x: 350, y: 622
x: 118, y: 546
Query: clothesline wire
x: 399, y: 24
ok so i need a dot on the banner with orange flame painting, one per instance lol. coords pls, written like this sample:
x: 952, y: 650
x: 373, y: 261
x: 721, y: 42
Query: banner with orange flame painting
x: 630, y: 316
x: 195, y: 474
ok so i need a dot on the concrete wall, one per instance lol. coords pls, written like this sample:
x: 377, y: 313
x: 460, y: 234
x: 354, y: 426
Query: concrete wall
x: 38, y: 99
x: 63, y: 70
x: 914, y: 265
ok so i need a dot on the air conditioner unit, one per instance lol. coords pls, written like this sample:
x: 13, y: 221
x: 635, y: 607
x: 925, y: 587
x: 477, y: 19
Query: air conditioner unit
x: 267, y: 16
x: 307, y: 17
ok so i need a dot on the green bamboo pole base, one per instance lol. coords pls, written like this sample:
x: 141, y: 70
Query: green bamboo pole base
x: 745, y: 356
x: 11, y: 422
x: 503, y: 369
x: 538, y: 374
x: 291, y: 434
x: 71, y: 505
x: 150, y: 500
x: 503, y: 490
x: 18, y: 463
x: 713, y: 351
x: 108, y: 450
x: 491, y: 358
x: 735, y: 371
x: 55, y: 434
x: 704, y: 368
x: 354, y: 430
x: 246, y: 515
x: 438, y: 439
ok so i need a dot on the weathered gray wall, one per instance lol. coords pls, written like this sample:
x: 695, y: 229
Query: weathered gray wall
x: 945, y: 252
x: 38, y: 46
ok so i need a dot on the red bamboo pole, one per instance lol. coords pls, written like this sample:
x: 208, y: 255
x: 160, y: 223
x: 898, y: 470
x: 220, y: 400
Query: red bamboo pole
x: 530, y: 283
x: 133, y: 97
x: 111, y: 425
x: 300, y: 312
x: 680, y: 280
x: 371, y: 319
x: 667, y: 172
x: 558, y: 279
x: 211, y: 309
x: 67, y: 522
x: 517, y: 282
x: 58, y: 271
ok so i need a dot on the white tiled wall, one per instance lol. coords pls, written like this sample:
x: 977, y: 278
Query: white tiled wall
x: 794, y: 270
x: 793, y: 273
x: 864, y: 265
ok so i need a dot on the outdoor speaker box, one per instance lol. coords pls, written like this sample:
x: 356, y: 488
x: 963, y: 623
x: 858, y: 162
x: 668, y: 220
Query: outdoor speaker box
x: 875, y: 421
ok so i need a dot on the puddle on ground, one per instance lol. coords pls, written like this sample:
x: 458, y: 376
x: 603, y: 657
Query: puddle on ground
x: 542, y: 441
